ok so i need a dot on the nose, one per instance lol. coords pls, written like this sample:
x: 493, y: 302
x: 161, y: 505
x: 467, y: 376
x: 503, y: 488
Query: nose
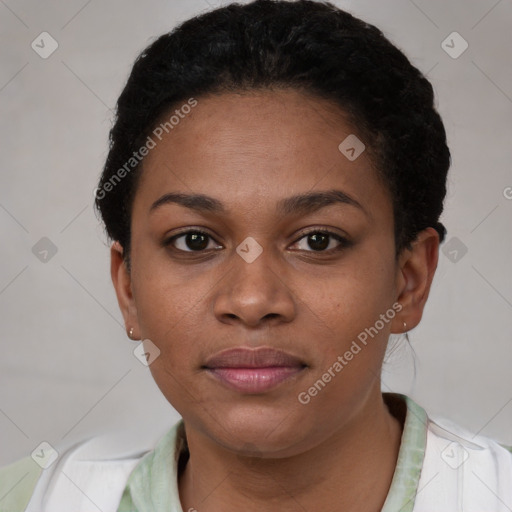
x: 255, y: 293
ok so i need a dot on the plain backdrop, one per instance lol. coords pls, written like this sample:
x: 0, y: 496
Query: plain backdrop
x: 67, y: 369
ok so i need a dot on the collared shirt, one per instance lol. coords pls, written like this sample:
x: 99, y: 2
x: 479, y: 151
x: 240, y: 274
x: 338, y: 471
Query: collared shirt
x: 441, y: 467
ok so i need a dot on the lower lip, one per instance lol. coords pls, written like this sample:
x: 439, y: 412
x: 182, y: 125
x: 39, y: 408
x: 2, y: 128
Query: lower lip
x: 254, y: 380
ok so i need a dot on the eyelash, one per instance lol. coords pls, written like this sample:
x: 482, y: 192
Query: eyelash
x: 344, y: 242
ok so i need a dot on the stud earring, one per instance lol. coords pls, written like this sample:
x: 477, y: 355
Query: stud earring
x: 405, y: 327
x: 130, y: 333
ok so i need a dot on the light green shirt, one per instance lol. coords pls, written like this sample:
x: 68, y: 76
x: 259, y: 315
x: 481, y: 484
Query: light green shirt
x: 153, y: 485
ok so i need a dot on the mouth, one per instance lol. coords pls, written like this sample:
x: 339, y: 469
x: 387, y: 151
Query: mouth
x: 253, y: 371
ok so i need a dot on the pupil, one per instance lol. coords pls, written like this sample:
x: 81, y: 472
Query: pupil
x: 193, y: 241
x: 318, y: 244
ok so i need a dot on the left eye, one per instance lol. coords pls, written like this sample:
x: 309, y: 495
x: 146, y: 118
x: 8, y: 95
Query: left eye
x: 321, y: 241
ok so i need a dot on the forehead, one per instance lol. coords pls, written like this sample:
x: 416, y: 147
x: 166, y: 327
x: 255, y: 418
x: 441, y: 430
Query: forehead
x: 256, y: 148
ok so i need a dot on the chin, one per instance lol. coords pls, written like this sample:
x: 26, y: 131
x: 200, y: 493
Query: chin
x: 271, y: 430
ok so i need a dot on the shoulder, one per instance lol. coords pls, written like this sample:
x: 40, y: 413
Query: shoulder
x: 459, y: 440
x: 463, y: 467
x: 90, y: 474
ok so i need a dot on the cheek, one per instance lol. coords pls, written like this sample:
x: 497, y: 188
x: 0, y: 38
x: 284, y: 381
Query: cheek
x: 171, y: 316
x: 167, y: 294
x: 351, y: 299
x: 351, y: 337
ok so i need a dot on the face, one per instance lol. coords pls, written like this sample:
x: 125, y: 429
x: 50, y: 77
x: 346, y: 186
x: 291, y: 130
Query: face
x: 258, y: 269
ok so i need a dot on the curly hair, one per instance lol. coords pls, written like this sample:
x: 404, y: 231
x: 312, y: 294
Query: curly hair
x: 310, y: 46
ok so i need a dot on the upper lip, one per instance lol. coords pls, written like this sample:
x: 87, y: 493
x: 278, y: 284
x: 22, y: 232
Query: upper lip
x: 242, y: 357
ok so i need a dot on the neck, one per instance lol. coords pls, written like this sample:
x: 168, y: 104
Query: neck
x: 353, y: 468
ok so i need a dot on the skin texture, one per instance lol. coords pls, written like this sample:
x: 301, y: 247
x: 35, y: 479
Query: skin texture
x: 268, y: 451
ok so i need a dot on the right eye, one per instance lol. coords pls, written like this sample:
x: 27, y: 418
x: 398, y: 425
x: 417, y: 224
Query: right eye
x: 191, y: 241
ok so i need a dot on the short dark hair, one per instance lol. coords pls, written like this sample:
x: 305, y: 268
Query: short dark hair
x: 309, y: 46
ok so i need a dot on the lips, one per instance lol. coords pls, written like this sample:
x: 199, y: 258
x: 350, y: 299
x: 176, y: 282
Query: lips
x: 253, y: 358
x: 253, y: 371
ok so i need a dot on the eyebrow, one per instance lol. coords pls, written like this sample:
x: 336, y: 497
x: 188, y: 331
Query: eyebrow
x: 301, y: 204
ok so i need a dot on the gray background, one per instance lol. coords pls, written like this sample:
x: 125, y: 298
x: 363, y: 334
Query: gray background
x: 67, y: 370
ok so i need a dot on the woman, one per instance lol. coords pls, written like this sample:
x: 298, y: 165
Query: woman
x: 273, y: 190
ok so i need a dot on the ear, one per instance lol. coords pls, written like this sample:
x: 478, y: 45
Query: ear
x: 415, y: 272
x: 123, y: 286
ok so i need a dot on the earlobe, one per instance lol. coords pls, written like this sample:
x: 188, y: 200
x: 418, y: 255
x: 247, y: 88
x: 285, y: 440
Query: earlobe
x: 121, y: 280
x: 416, y: 269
